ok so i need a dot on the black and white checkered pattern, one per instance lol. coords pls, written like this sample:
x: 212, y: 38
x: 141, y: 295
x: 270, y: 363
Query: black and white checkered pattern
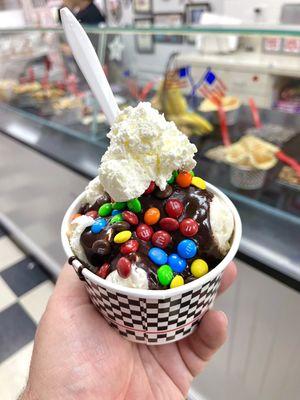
x: 154, y: 321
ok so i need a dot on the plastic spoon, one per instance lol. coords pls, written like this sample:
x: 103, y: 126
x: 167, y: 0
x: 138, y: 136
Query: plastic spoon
x: 88, y: 62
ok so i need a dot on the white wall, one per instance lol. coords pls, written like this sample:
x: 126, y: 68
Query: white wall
x: 244, y: 9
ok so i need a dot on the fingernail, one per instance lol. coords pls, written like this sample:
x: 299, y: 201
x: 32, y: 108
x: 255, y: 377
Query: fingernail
x: 224, y: 317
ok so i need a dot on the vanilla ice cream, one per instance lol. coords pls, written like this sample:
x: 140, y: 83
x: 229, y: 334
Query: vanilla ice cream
x: 222, y: 224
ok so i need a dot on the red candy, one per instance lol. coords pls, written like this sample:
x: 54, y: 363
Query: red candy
x: 150, y: 188
x: 130, y: 217
x: 92, y: 214
x: 144, y: 232
x: 161, y: 239
x: 188, y: 227
x: 169, y: 224
x: 124, y: 267
x: 131, y: 246
x: 174, y: 208
x: 103, y: 271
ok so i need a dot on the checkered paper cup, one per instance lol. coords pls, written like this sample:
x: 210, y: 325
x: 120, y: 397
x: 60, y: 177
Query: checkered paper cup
x: 154, y: 316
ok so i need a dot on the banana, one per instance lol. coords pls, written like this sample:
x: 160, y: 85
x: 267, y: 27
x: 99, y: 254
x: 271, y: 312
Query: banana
x: 193, y: 121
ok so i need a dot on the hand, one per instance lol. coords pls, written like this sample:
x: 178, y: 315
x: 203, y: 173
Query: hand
x: 77, y: 355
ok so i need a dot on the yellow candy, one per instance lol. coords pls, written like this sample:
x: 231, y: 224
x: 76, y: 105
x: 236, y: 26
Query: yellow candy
x: 199, y: 268
x: 122, y: 237
x: 177, y: 281
x: 198, y: 182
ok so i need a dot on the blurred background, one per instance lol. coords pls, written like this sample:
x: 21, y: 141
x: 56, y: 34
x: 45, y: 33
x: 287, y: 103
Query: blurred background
x: 228, y: 74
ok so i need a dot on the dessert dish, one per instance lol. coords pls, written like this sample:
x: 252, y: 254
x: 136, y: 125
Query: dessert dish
x: 147, y: 222
x: 253, y: 153
x: 230, y: 105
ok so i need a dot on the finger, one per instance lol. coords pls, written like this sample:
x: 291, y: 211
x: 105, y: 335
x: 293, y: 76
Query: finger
x: 198, y: 348
x: 69, y: 285
x: 228, y: 277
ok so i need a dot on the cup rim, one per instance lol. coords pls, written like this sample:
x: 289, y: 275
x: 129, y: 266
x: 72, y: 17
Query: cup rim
x: 150, y: 293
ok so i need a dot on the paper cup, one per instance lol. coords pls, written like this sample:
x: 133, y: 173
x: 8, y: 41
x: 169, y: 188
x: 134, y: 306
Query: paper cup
x: 154, y: 316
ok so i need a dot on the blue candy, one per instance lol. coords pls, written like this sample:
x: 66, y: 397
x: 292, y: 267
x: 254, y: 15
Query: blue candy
x: 187, y: 248
x: 158, y: 256
x: 98, y: 225
x: 115, y: 212
x: 177, y: 263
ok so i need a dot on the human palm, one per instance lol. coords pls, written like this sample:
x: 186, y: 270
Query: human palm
x: 77, y: 355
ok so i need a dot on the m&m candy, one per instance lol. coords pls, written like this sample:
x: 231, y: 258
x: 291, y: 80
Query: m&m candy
x: 199, y: 268
x: 164, y: 275
x: 152, y: 216
x: 188, y: 227
x: 115, y: 212
x: 144, y: 232
x: 134, y: 205
x: 98, y: 225
x: 116, y: 218
x: 122, y: 237
x: 124, y: 267
x: 177, y: 281
x: 177, y: 263
x: 105, y: 210
x: 187, y: 248
x: 104, y: 270
x: 131, y: 246
x: 158, y: 256
x: 169, y: 224
x: 184, y: 179
x: 173, y: 177
x: 161, y: 239
x: 174, y: 208
x: 198, y: 182
x: 119, y: 205
x: 150, y: 189
x: 130, y: 217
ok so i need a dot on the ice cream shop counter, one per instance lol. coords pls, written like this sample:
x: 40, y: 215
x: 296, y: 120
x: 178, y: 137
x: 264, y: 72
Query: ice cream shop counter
x: 269, y: 202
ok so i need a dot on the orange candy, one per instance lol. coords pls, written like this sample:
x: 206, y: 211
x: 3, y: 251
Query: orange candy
x: 74, y: 216
x: 184, y: 179
x: 152, y: 216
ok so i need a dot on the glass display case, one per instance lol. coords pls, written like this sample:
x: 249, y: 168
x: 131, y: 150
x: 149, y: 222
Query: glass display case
x: 235, y: 91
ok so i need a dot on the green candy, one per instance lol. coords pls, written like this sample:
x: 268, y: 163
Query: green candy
x: 134, y: 205
x: 119, y: 205
x: 116, y: 218
x: 105, y: 210
x: 165, y: 275
x: 192, y: 173
x: 171, y: 180
x: 173, y: 177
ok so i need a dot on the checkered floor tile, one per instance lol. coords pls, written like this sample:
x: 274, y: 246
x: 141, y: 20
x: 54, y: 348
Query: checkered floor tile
x: 25, y: 288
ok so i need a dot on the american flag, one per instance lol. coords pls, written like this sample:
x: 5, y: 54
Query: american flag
x: 212, y: 87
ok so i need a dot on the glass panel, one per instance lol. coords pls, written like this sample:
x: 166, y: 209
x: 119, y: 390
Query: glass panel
x: 183, y: 72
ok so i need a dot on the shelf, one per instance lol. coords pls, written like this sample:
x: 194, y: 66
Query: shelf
x: 252, y: 30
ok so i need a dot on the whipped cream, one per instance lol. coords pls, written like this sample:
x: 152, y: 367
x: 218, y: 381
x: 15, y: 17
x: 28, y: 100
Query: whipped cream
x: 137, y: 279
x: 93, y: 191
x: 144, y: 147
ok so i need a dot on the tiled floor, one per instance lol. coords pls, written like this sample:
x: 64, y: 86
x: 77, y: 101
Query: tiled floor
x: 24, y: 291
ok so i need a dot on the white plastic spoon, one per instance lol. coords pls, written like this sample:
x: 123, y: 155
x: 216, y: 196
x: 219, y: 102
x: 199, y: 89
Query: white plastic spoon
x: 86, y: 58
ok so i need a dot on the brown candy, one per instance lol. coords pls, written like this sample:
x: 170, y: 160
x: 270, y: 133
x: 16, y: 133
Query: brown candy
x: 104, y: 198
x: 163, y: 194
x: 121, y: 226
x: 101, y: 247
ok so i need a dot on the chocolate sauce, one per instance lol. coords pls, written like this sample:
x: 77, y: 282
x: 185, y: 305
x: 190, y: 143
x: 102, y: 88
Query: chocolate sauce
x: 100, y: 248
